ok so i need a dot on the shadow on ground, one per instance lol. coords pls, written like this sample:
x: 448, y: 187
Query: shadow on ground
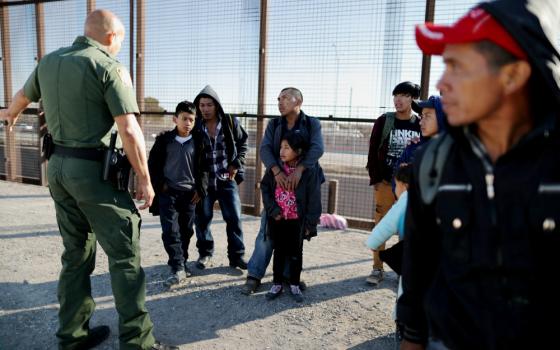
x: 33, y: 307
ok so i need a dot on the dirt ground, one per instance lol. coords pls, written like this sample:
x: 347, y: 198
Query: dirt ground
x: 208, y: 311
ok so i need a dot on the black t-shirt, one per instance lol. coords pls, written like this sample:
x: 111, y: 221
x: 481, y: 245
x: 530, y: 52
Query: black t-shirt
x: 400, y: 137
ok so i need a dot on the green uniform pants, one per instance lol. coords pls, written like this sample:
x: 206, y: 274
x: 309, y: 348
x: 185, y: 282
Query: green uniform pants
x: 90, y: 210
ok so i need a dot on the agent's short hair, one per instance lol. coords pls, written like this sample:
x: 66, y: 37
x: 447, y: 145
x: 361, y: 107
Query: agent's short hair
x: 407, y: 88
x: 185, y: 106
x: 296, y: 141
x: 495, y: 55
x: 403, y: 173
x: 292, y: 91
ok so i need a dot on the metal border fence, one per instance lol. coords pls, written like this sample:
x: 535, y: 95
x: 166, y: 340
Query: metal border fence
x: 347, y: 190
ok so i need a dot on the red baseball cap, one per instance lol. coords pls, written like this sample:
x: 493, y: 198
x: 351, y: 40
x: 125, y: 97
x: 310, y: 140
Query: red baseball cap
x: 477, y: 25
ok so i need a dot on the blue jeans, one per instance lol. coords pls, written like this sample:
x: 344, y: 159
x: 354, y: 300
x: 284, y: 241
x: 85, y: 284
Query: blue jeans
x: 227, y: 194
x: 262, y: 253
x: 176, y: 215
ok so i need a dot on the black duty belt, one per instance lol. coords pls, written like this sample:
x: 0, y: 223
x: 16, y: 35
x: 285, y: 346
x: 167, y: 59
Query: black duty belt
x: 82, y: 153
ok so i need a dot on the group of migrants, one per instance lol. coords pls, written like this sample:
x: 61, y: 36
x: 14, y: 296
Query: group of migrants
x: 469, y: 180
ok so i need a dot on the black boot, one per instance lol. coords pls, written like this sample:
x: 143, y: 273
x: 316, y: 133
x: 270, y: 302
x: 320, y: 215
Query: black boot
x: 238, y: 262
x: 96, y: 336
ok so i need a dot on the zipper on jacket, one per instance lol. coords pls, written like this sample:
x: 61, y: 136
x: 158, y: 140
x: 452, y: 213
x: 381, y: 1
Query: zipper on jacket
x: 489, y: 178
x: 480, y: 151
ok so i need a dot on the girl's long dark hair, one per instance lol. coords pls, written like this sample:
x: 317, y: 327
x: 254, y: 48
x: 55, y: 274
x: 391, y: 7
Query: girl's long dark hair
x: 297, y: 142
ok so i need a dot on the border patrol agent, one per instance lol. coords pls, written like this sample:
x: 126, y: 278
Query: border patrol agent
x: 85, y: 92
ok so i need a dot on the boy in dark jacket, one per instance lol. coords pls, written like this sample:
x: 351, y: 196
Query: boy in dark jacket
x: 177, y: 174
x: 292, y: 214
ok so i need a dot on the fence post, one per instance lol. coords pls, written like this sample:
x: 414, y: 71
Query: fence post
x: 260, y: 106
x: 131, y: 39
x: 90, y: 6
x: 426, y: 59
x: 10, y: 152
x: 42, y: 129
x: 140, y: 45
x: 332, y: 204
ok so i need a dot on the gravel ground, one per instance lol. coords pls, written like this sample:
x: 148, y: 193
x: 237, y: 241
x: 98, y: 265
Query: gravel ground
x: 208, y: 311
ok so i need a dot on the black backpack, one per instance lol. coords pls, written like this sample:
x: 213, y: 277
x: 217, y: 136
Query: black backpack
x: 431, y: 166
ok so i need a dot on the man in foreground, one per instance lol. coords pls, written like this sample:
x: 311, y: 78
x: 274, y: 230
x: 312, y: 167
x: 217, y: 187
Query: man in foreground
x: 480, y: 252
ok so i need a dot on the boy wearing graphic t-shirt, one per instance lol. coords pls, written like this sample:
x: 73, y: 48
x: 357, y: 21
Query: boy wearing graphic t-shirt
x: 391, y: 133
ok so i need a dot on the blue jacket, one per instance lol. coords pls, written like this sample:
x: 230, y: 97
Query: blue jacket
x: 309, y: 127
x: 410, y: 150
x: 392, y: 222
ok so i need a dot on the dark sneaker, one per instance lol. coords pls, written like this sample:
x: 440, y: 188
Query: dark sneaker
x: 274, y: 292
x: 204, y: 262
x: 175, y: 277
x: 161, y: 346
x: 188, y: 272
x: 239, y: 262
x: 296, y: 293
x: 251, y: 286
x: 375, y: 277
x: 96, y: 336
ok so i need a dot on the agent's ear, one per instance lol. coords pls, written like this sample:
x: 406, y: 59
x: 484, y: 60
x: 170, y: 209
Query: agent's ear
x: 109, y: 38
x: 299, y: 151
x: 515, y: 76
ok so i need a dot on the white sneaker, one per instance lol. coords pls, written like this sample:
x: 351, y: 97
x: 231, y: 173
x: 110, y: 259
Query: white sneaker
x: 175, y: 277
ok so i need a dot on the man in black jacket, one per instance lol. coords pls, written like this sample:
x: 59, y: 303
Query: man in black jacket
x: 480, y: 255
x: 224, y: 147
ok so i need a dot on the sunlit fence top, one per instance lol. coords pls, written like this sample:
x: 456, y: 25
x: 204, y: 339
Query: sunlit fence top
x: 345, y: 56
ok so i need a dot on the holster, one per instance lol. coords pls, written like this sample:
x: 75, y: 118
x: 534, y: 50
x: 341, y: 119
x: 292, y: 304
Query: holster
x: 116, y: 169
x: 48, y: 146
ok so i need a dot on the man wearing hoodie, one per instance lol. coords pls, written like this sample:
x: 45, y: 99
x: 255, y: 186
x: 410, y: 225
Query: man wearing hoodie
x: 225, y: 146
x: 483, y: 226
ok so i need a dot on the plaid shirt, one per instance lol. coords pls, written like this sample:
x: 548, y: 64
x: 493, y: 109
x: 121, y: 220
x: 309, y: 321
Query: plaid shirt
x: 215, y: 155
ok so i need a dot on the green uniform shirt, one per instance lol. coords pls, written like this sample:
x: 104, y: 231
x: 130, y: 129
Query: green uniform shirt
x: 82, y: 87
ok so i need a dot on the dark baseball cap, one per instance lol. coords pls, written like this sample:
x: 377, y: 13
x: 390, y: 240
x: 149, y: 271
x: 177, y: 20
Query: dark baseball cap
x: 418, y: 105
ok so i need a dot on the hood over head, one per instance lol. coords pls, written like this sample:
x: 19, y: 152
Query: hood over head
x: 208, y: 91
x: 435, y: 103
